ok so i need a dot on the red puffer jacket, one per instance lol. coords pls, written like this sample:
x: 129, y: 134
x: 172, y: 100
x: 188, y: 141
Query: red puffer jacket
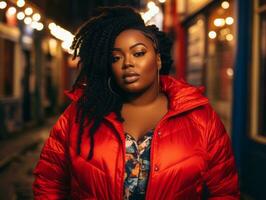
x: 190, y: 148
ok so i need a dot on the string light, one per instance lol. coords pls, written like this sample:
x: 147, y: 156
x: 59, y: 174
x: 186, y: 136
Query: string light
x: 230, y: 72
x: 3, y: 4
x: 28, y: 11
x: 229, y: 20
x: 229, y: 37
x: 212, y: 34
x: 52, y: 26
x: 151, y: 5
x: 11, y: 11
x: 225, y: 5
x: 34, y: 24
x: 20, y: 15
x: 40, y: 26
x: 65, y: 36
x: 58, y: 32
x: 219, y: 22
x: 27, y: 20
x: 152, y: 11
x: 36, y: 17
x: 20, y: 3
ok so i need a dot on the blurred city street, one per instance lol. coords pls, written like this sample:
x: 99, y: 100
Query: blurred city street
x: 218, y: 45
x: 18, y: 157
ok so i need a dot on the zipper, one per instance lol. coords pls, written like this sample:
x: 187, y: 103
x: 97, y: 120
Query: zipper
x: 167, y: 116
x: 123, y: 168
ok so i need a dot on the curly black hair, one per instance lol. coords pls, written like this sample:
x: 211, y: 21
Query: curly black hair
x: 93, y: 45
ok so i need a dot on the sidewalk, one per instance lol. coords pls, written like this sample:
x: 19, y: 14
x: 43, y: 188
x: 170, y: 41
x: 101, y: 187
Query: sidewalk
x: 11, y: 148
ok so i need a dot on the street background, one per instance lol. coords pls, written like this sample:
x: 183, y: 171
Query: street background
x: 218, y: 44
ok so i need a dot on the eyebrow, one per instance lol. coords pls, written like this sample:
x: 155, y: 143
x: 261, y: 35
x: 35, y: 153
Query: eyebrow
x: 139, y: 43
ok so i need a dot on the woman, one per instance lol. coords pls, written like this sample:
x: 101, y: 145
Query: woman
x: 131, y: 132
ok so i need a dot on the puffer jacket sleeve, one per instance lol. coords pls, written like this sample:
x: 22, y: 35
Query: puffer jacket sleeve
x: 52, y: 170
x: 221, y: 176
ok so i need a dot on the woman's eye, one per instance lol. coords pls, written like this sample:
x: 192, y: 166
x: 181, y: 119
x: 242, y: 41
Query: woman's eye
x: 138, y: 54
x: 115, y: 58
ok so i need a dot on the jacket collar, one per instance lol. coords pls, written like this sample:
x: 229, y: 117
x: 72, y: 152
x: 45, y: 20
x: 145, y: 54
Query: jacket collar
x: 182, y: 96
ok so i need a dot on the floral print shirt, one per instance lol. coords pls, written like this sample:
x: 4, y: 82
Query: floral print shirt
x: 137, y: 166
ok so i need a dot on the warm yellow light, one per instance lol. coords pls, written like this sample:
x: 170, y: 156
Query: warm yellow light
x: 52, y: 25
x: 34, y: 24
x: 151, y: 12
x: 219, y: 22
x: 20, y: 15
x: 212, y: 34
x: 229, y: 20
x: 20, y: 3
x: 27, y: 20
x: 39, y: 26
x: 60, y: 33
x: 28, y: 11
x: 11, y: 11
x: 229, y: 37
x: 36, y: 17
x: 225, y: 5
x: 52, y: 44
x: 3, y: 4
x: 224, y: 31
x: 230, y: 72
x: 162, y: 1
x: 151, y: 5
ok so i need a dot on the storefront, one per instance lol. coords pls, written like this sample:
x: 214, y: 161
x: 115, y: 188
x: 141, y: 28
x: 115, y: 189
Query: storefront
x: 10, y: 77
x: 32, y: 66
x: 251, y: 112
x: 210, y: 40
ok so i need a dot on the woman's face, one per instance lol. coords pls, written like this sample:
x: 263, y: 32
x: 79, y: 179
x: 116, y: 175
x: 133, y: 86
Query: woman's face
x: 135, y: 63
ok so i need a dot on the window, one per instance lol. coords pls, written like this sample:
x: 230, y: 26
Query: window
x: 258, y: 83
x: 220, y: 60
x: 194, y: 5
x: 6, y: 67
x: 196, y: 52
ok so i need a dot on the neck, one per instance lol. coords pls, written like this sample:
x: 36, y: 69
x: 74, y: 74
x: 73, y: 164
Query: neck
x: 147, y: 97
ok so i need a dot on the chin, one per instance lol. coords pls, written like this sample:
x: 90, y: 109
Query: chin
x: 134, y: 88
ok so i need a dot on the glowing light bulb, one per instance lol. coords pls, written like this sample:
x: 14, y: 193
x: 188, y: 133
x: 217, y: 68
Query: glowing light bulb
x: 28, y: 11
x: 11, y: 11
x: 229, y: 37
x: 219, y: 22
x: 40, y: 26
x: 36, y: 17
x: 229, y: 20
x: 27, y: 20
x: 230, y: 72
x: 34, y: 24
x: 20, y: 15
x: 151, y: 5
x: 3, y: 4
x: 52, y: 25
x: 20, y: 3
x: 212, y: 34
x: 225, y: 5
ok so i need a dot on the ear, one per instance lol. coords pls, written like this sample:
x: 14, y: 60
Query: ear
x: 159, y: 61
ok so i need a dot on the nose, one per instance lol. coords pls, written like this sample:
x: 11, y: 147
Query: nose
x: 127, y: 62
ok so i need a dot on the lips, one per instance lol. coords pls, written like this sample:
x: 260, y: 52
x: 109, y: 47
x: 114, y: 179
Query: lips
x: 130, y: 77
